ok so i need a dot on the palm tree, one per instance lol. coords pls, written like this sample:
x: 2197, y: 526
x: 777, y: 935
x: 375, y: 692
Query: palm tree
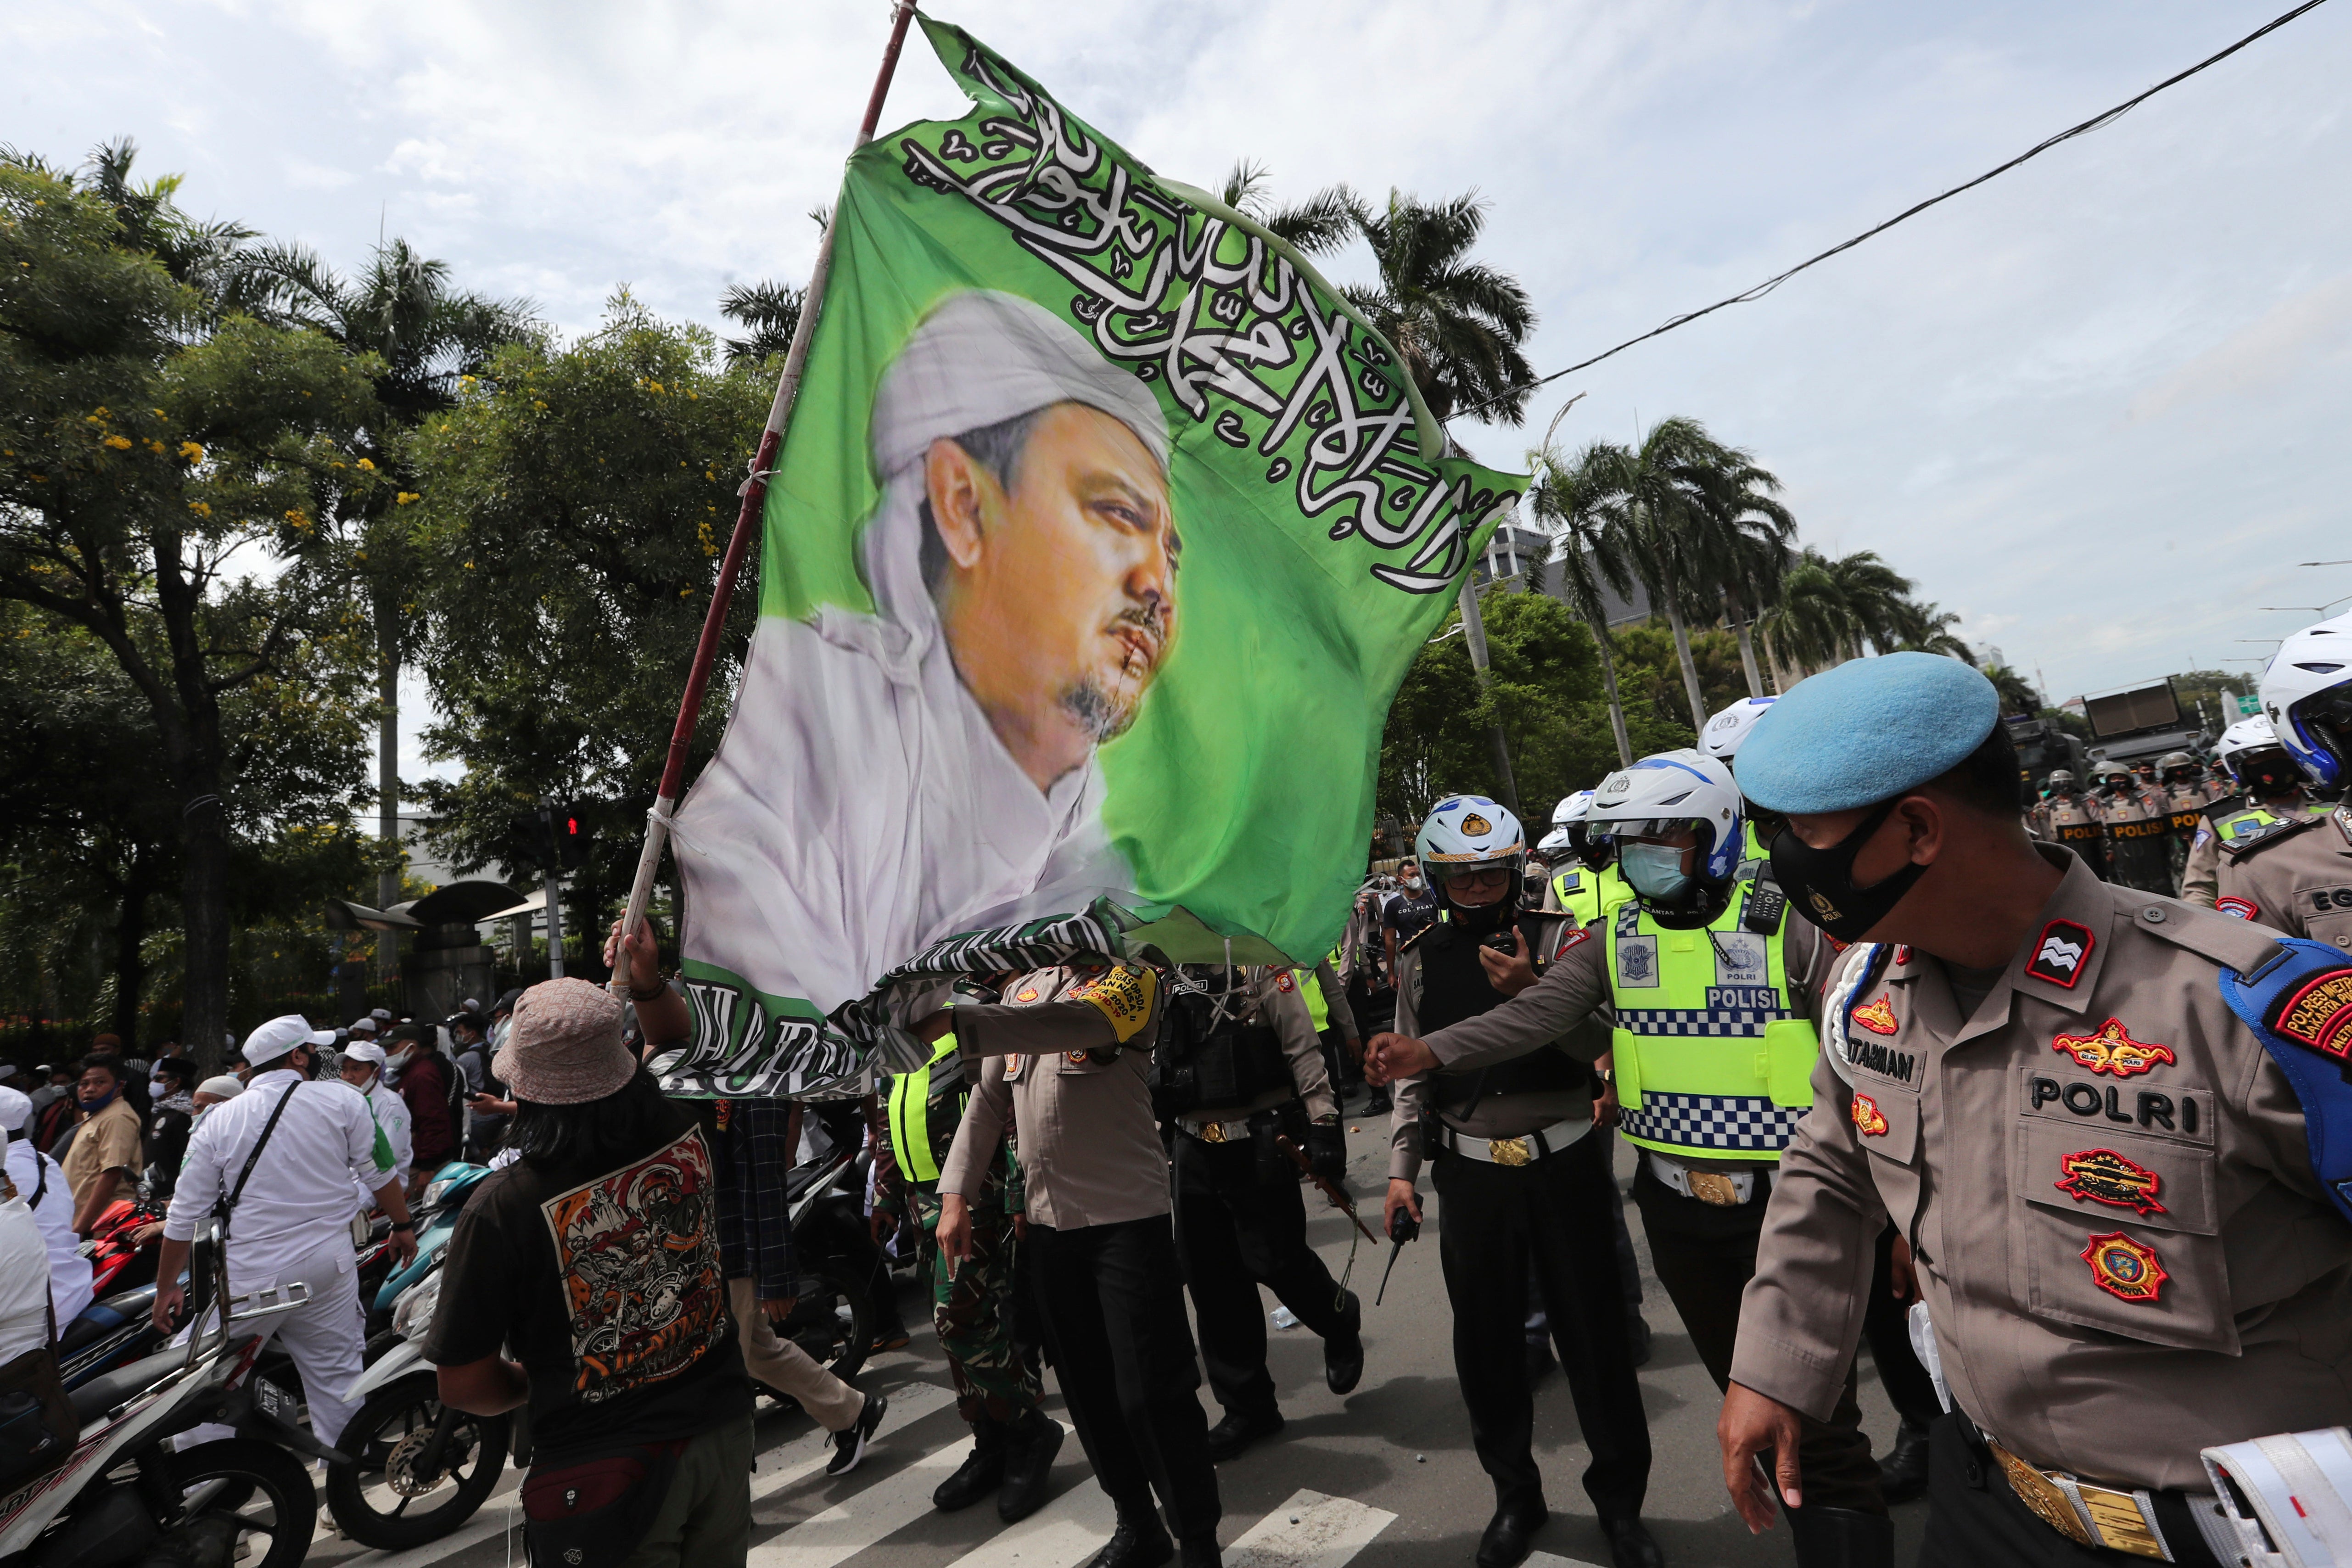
x: 1928, y: 628
x: 1317, y: 225
x: 1458, y: 322
x: 773, y: 314
x: 429, y: 338
x: 1830, y: 610
x: 1568, y: 496
x: 1650, y: 500
x: 1743, y: 542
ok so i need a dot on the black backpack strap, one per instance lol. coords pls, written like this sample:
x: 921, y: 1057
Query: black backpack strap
x: 227, y: 1205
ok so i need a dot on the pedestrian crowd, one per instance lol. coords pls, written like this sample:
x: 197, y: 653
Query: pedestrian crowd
x: 1897, y: 1051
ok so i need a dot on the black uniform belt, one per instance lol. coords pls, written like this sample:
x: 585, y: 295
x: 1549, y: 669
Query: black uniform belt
x: 1239, y: 1130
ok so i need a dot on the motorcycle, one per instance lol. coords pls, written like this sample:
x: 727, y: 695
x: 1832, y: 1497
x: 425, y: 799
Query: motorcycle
x: 124, y: 1496
x: 833, y: 1313
x: 436, y: 1215
x: 117, y: 1259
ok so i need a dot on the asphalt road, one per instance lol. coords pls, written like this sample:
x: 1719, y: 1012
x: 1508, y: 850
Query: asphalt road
x: 1320, y: 1494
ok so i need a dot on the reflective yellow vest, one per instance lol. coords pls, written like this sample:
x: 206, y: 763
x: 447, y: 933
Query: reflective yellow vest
x: 1588, y: 894
x: 1310, y: 991
x: 1712, y: 1061
x: 910, y: 1115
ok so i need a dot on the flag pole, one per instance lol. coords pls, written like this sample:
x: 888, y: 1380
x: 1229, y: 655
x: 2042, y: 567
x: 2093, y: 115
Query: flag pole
x: 754, y: 492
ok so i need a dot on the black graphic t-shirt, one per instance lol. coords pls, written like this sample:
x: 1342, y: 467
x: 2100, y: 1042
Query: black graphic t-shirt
x: 607, y: 1289
x: 1408, y: 912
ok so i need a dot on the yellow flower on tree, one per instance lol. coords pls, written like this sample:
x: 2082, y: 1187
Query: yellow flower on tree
x: 190, y: 452
x: 368, y: 465
x: 120, y: 443
x: 404, y: 497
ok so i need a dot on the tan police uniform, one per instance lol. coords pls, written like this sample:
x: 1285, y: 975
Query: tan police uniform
x: 2105, y: 1185
x: 2075, y: 823
x: 2200, y: 883
x: 1067, y: 1054
x: 2297, y: 880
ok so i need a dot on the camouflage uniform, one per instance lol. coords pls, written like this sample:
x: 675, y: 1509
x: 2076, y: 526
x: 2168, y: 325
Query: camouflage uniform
x: 993, y: 1365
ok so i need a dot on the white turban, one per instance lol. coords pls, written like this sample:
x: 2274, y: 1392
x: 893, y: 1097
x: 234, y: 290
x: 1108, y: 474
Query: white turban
x: 978, y: 360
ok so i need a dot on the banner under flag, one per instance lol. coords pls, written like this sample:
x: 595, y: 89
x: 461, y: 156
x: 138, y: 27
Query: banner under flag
x: 1101, y: 538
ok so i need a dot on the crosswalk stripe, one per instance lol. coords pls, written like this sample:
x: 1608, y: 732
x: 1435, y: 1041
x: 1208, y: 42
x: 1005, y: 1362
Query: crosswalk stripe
x: 1309, y: 1530
x: 850, y: 1526
x: 791, y: 1462
x: 1068, y: 1530
x: 1548, y: 1560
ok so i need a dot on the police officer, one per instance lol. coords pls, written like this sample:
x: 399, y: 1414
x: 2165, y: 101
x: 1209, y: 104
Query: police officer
x: 2136, y: 826
x: 2068, y: 816
x: 2180, y: 787
x: 2122, y: 1250
x: 972, y: 1304
x: 1238, y: 1066
x: 1587, y: 883
x: 1709, y: 982
x: 2271, y: 797
x: 1524, y: 1192
x: 2299, y: 878
x: 1068, y: 1055
x: 1721, y: 739
x: 1334, y: 1021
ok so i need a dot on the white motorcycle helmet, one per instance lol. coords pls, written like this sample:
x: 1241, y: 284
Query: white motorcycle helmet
x: 1554, y: 842
x: 1468, y: 832
x: 1572, y: 808
x: 2250, y: 752
x: 1659, y: 797
x: 1721, y: 738
x: 2308, y: 693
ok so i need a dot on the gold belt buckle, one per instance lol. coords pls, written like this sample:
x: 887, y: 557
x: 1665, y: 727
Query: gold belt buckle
x: 2116, y: 1522
x: 1715, y: 1188
x: 1212, y: 1132
x: 2039, y: 1493
x: 1510, y: 1151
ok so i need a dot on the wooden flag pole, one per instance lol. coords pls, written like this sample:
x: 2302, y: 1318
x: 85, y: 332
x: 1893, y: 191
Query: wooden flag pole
x: 747, y: 523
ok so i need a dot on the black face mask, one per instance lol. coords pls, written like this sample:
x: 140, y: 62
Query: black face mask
x: 1820, y: 882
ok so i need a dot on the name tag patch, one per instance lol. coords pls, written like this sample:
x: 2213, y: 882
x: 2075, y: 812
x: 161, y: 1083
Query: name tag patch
x: 1882, y: 1059
x: 2104, y: 1176
x: 2113, y: 1050
x: 2126, y: 1269
x: 2149, y: 1109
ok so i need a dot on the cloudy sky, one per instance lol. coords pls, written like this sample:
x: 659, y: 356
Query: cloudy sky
x: 2098, y: 408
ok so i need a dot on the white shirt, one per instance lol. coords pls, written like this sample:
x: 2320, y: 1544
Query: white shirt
x: 392, y: 1115
x: 301, y: 1194
x: 861, y: 807
x: 24, y: 1282
x: 70, y: 1274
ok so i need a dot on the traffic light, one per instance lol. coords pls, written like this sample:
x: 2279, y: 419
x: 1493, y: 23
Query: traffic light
x: 574, y: 834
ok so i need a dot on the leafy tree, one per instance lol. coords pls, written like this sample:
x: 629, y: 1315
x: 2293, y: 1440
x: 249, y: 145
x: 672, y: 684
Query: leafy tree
x: 575, y: 501
x: 155, y: 447
x: 2017, y: 693
x: 425, y: 340
x: 1458, y: 322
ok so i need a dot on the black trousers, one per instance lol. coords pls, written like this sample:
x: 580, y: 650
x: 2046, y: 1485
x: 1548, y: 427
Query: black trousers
x: 1705, y: 1256
x: 1238, y: 1227
x: 1886, y: 1327
x: 1112, y: 1299
x: 1974, y: 1518
x: 1496, y: 1226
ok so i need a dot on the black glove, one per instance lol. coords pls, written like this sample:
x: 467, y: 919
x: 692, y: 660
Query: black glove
x: 1326, y: 1151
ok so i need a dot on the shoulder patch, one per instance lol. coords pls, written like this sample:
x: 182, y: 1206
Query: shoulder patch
x: 2245, y: 847
x: 2059, y: 952
x: 1569, y: 943
x: 2237, y: 908
x: 2318, y: 1013
x: 1284, y: 981
x: 1123, y: 994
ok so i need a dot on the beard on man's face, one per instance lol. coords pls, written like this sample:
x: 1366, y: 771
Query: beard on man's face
x: 1104, y: 710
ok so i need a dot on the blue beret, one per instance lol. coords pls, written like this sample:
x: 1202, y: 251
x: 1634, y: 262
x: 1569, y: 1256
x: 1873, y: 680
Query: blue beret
x: 1865, y: 731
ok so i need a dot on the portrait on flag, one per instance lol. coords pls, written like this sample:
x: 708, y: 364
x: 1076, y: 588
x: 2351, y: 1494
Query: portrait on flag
x: 1102, y: 534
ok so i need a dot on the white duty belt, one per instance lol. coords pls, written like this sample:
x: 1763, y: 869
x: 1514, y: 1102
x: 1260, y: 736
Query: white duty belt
x: 1523, y: 1150
x: 1719, y: 1189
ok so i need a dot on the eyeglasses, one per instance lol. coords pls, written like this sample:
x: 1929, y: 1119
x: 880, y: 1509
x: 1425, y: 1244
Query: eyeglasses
x: 1478, y: 877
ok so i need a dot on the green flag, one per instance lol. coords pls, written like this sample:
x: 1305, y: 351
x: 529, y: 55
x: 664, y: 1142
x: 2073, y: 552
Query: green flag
x: 1102, y: 536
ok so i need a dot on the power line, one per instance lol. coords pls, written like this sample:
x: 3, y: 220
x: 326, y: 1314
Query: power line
x: 2096, y: 122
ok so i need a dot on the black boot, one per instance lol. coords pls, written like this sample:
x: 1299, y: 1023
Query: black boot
x: 1637, y: 1336
x: 1903, y: 1473
x: 982, y: 1472
x: 1511, y: 1534
x: 1539, y: 1360
x: 1238, y: 1430
x: 1139, y: 1541
x: 1199, y: 1552
x: 1030, y: 1446
x: 1343, y: 1353
x: 1840, y: 1537
x: 1630, y: 1545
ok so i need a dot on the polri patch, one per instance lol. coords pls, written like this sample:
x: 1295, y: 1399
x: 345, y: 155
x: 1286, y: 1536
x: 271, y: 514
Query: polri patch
x: 1282, y: 982
x: 1026, y: 994
x: 2318, y: 1013
x: 2104, y: 1176
x: 1878, y: 1017
x: 2060, y: 953
x: 2113, y: 1050
x: 2243, y: 909
x: 1578, y: 936
x: 2126, y: 1269
x: 1868, y: 1120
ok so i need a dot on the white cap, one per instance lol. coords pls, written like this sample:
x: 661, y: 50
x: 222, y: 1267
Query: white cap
x: 363, y: 1025
x: 225, y: 1087
x: 381, y: 1015
x: 363, y: 1051
x: 16, y: 1109
x: 281, y: 1034
x: 8, y: 1070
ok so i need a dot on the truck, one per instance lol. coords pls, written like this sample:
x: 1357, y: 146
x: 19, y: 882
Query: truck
x: 2141, y: 722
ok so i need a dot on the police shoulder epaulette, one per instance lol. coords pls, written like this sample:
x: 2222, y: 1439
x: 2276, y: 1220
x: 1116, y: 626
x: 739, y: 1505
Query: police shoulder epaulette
x: 2215, y: 810
x: 2249, y: 844
x: 1407, y: 944
x: 2229, y: 941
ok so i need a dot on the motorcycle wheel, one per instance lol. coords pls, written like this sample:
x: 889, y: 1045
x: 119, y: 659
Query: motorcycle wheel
x: 238, y: 1492
x: 840, y: 1330
x: 389, y: 1430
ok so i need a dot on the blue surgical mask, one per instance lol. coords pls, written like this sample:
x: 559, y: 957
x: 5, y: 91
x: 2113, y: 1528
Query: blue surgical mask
x: 1655, y: 871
